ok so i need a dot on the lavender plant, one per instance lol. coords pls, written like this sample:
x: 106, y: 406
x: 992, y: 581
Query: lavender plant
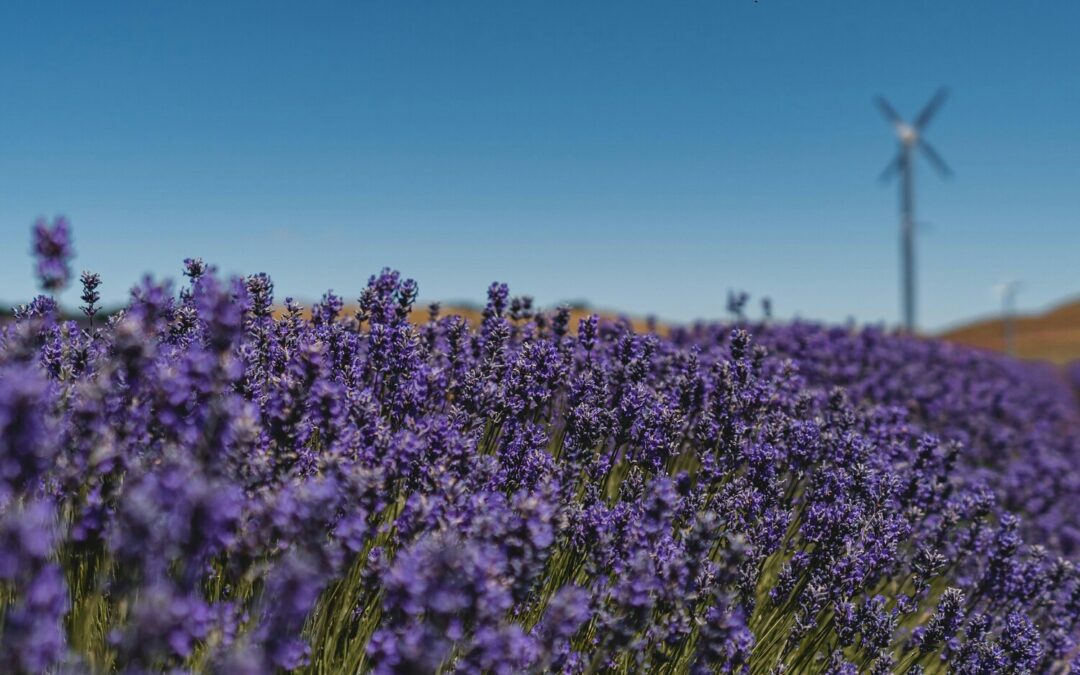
x: 210, y: 483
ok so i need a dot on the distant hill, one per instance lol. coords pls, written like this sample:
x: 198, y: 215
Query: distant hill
x: 474, y: 314
x: 1052, y: 336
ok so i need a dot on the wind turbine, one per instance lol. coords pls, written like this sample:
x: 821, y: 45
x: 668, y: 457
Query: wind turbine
x: 910, y: 138
x: 1007, y: 292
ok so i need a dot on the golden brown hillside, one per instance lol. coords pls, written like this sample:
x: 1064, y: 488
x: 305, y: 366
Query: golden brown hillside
x: 420, y: 314
x: 1051, y: 336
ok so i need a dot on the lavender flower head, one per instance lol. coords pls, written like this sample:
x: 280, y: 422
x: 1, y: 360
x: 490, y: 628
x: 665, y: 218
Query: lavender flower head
x: 90, y: 296
x: 53, y: 253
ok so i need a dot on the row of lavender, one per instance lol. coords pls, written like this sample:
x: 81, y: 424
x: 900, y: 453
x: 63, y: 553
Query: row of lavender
x: 202, y: 483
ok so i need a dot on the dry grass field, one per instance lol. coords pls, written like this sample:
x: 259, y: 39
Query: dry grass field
x: 1051, y: 336
x: 474, y: 315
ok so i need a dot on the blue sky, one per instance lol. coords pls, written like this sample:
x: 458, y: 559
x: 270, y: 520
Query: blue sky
x: 644, y: 156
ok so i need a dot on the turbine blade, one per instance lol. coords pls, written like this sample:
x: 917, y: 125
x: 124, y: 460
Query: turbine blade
x: 935, y: 158
x: 888, y: 111
x: 891, y: 168
x: 931, y: 109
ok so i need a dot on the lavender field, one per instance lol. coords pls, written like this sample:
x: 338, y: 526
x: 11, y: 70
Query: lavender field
x: 205, y: 482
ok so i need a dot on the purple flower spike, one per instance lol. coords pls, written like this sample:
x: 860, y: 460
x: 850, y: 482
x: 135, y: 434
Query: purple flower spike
x: 52, y: 250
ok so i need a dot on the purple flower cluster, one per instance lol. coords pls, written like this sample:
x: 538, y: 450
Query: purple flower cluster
x: 52, y: 250
x: 211, y: 481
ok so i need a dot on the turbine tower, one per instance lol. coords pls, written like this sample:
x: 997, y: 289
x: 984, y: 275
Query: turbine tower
x: 910, y: 138
x: 1007, y: 293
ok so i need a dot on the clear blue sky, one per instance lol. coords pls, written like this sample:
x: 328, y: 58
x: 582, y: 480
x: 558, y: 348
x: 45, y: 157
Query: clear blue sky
x: 645, y: 156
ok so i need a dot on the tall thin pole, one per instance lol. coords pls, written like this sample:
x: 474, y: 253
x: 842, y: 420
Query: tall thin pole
x: 907, y: 236
x: 1010, y: 326
x: 1008, y: 315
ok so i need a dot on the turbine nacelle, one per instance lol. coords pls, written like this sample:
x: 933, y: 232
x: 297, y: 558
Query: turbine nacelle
x: 907, y: 134
x: 910, y: 135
